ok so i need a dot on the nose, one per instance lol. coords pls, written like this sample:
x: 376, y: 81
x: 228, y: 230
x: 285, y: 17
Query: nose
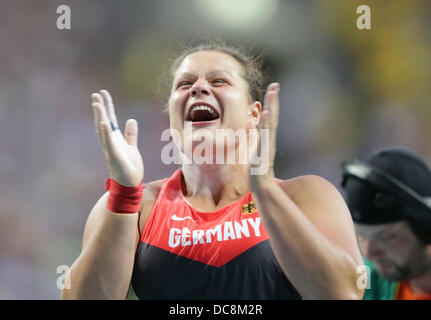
x: 200, y: 88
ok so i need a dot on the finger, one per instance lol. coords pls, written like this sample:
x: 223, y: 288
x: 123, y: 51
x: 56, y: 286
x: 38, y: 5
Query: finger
x: 98, y: 99
x: 251, y: 132
x: 95, y: 103
x: 270, y: 118
x: 95, y: 112
x: 265, y: 130
x: 271, y: 96
x: 253, y: 136
x: 96, y: 117
x: 104, y: 113
x: 107, y: 136
x: 109, y: 107
x: 275, y: 105
x: 97, y: 109
x: 265, y: 122
x: 270, y: 121
x: 267, y: 109
x: 93, y: 98
x: 131, y: 132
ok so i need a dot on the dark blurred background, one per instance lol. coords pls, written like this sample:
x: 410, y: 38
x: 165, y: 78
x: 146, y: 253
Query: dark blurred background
x: 344, y: 93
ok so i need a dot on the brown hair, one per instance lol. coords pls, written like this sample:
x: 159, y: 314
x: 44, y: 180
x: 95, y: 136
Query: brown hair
x: 252, y: 64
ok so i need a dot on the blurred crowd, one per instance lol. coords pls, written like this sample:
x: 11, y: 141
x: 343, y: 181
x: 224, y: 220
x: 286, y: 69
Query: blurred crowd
x: 344, y: 92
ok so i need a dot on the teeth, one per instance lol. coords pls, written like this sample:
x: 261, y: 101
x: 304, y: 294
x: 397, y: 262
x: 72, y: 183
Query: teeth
x: 202, y: 107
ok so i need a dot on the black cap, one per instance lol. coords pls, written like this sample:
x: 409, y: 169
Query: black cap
x: 369, y: 204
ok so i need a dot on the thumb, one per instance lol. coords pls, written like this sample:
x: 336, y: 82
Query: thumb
x: 131, y: 132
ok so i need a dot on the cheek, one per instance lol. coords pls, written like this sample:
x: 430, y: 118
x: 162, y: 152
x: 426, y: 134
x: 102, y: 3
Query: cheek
x: 399, y: 242
x: 231, y: 96
x: 177, y: 100
x: 400, y: 247
x: 236, y: 108
x: 176, y: 106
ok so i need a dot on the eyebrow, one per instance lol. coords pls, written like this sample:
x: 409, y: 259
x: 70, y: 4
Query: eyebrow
x: 384, y: 233
x: 219, y: 71
x: 209, y: 73
x: 391, y: 232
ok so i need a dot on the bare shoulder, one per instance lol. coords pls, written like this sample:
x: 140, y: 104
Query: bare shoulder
x: 325, y: 207
x: 310, y: 188
x: 152, y: 190
x: 317, y: 197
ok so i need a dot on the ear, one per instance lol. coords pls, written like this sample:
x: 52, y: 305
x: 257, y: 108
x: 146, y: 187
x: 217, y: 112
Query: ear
x: 254, y: 112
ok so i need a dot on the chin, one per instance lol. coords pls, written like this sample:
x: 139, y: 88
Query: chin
x: 396, y: 274
x: 394, y: 277
x: 217, y: 152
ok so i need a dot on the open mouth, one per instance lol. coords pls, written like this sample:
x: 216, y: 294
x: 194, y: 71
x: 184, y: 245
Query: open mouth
x: 202, y: 113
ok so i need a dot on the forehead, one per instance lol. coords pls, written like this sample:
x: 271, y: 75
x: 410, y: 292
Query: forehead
x: 202, y: 62
x: 370, y: 231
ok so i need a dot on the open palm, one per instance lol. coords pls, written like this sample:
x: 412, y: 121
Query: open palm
x: 124, y: 161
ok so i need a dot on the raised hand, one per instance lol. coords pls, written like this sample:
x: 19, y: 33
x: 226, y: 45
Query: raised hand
x: 125, y: 164
x: 262, y: 167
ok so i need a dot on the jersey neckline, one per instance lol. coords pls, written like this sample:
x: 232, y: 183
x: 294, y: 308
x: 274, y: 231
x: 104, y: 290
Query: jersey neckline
x: 178, y: 176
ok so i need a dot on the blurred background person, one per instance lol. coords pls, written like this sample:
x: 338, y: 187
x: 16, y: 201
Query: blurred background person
x: 345, y: 92
x: 389, y: 195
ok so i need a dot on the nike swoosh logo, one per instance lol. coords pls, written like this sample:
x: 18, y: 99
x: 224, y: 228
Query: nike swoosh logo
x: 175, y: 218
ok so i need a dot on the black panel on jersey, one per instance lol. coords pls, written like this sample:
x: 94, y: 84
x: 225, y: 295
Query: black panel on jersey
x: 254, y: 274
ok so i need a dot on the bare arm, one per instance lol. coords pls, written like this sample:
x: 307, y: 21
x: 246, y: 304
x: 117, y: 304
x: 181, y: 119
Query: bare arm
x: 104, y: 268
x: 308, y: 223
x: 312, y: 236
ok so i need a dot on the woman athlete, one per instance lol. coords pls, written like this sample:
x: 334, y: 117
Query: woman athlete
x: 213, y: 230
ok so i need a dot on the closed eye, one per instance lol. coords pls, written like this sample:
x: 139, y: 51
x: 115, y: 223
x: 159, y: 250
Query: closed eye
x: 219, y: 81
x: 387, y: 237
x: 183, y: 83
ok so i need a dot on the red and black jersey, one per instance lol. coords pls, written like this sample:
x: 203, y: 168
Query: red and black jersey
x: 188, y: 254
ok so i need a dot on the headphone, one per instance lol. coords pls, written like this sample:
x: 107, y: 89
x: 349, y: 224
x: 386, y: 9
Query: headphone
x: 392, y: 193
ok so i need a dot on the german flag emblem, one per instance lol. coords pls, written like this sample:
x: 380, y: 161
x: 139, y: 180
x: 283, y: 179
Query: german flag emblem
x: 248, y: 208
